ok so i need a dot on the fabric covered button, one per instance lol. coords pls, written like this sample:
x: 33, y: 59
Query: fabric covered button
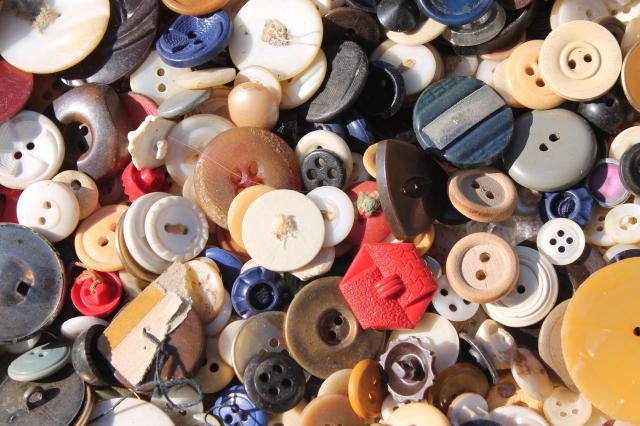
x: 83, y: 187
x: 17, y: 89
x: 323, y: 168
x: 95, y: 239
x: 39, y: 362
x: 337, y: 212
x: 450, y: 305
x: 258, y: 290
x: 561, y: 240
x: 575, y: 204
x: 454, y: 12
x: 622, y: 224
x: 274, y: 382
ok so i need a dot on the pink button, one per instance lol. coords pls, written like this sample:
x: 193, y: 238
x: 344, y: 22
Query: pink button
x: 605, y: 185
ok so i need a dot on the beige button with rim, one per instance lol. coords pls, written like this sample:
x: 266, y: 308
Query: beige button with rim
x: 336, y: 384
x: 239, y: 207
x: 95, y: 239
x: 418, y: 414
x: 482, y: 267
x: 580, y: 60
x: 83, y: 187
x: 524, y: 80
x: 629, y: 78
x: 330, y: 410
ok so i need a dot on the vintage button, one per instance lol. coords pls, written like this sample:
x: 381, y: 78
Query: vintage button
x: 500, y: 85
x: 18, y: 86
x: 514, y: 415
x: 127, y: 411
x: 156, y: 79
x: 237, y: 159
x: 524, y: 81
x: 214, y: 374
x: 329, y: 409
x: 299, y: 89
x: 206, y: 78
x: 366, y: 389
x: 486, y: 69
x: 455, y: 380
x: 148, y: 144
x: 369, y: 160
x: 137, y: 107
x: 409, y: 371
x: 183, y: 102
x: 482, y: 194
x: 398, y: 15
x: 205, y: 288
x: 417, y: 64
x: 348, y: 23
x: 544, y: 138
x: 622, y: 223
x: 270, y: 34
x: 411, y: 187
x: 549, y: 344
x: 450, y: 305
x: 71, y: 328
x: 253, y: 105
x: 497, y: 343
x: 49, y: 208
x: 594, y: 230
x: 564, y: 407
x: 87, y: 361
x: 322, y: 333
x: 336, y: 384
x: 607, y: 113
x: 418, y: 414
x: 337, y: 213
x: 326, y: 140
x: 504, y: 52
x: 322, y: 168
x: 445, y: 99
x: 455, y: 12
x: 83, y: 187
x: 530, y: 374
x: 629, y: 169
x: 137, y: 183
x: 283, y: 230
x: 564, y: 11
x: 68, y: 32
x: 479, y: 31
x: 623, y: 141
x: 561, y: 240
x: 181, y: 394
x: 344, y: 84
x: 259, y: 290
x: 532, y: 297
x: 40, y: 362
x: 238, y: 209
x: 440, y: 334
x: 260, y: 75
x: 607, y: 184
x: 235, y: 408
x: 94, y: 241
x: 226, y: 338
x: 482, y: 268
x: 228, y: 264
x: 575, y: 204
x: 274, y: 382
x: 194, y: 7
x: 96, y: 293
x: 460, y: 66
x: 426, y: 31
x: 384, y: 92
x: 580, y: 60
x: 467, y: 407
x: 508, y: 393
x: 33, y: 150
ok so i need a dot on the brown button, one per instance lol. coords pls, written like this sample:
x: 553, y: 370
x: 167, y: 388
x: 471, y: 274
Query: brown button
x: 322, y: 333
x: 347, y: 23
x: 456, y: 380
x: 629, y: 78
x: 366, y: 389
x: 253, y: 105
x: 237, y: 159
x: 482, y: 267
x: 95, y: 240
x: 524, y: 81
x: 484, y: 194
x: 194, y: 7
x: 239, y: 207
x: 84, y: 188
x: 411, y: 187
x: 330, y: 410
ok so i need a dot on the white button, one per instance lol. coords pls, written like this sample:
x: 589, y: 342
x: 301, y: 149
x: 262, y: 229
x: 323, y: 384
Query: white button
x: 49, y: 208
x: 417, y: 64
x: 427, y: 31
x: 566, y: 408
x: 205, y: 288
x: 222, y: 319
x: 450, y: 305
x: 630, y: 11
x: 460, y: 66
x: 622, y: 224
x: 320, y: 265
x: 441, y: 335
x: 337, y: 211
x: 623, y: 141
x: 497, y: 342
x: 184, y: 394
x: 176, y: 229
x: 299, y: 89
x: 83, y: 187
x: 129, y: 411
x: 263, y: 76
x: 31, y: 149
x: 613, y: 251
x: 631, y: 36
x: 156, y: 79
x: 280, y: 35
x: 564, y: 11
x: 249, y: 264
x: 358, y: 173
x: 513, y: 415
x: 188, y: 139
x: 148, y: 143
x: 215, y: 374
x: 204, y: 79
x: 466, y: 407
x: 324, y: 139
x: 530, y: 375
x: 561, y: 240
x: 336, y: 384
x: 226, y: 338
x: 73, y: 327
x: 485, y: 70
x: 594, y: 231
x: 500, y: 85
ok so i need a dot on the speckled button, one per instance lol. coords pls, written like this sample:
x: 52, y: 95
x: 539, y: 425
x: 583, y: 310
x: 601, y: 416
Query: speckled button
x: 84, y: 188
x: 542, y: 141
x: 630, y: 68
x: 94, y: 241
x: 39, y: 362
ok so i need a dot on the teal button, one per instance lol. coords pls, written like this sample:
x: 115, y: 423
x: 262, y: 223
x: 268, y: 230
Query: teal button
x: 39, y: 362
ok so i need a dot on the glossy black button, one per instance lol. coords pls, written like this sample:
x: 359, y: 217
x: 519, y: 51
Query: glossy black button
x: 630, y: 169
x: 384, y: 92
x: 398, y: 15
x: 87, y: 361
x: 479, y: 31
x: 368, y: 6
x: 323, y: 168
x: 347, y: 23
x: 274, y: 382
x: 575, y: 204
x: 606, y: 113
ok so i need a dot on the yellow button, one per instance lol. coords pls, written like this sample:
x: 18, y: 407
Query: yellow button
x: 239, y: 207
x: 366, y: 389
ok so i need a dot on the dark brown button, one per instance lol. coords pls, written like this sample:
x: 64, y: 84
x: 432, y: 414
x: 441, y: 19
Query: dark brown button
x: 347, y: 23
x: 456, y: 380
x: 614, y: 25
x: 46, y: 88
x: 87, y: 361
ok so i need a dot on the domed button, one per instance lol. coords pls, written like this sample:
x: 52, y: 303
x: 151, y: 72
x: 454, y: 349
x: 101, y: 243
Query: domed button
x: 259, y: 290
x: 323, y: 168
x: 575, y: 204
x: 253, y: 105
x: 96, y: 293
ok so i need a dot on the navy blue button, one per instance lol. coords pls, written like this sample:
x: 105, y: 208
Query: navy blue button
x: 259, y: 290
x: 234, y: 408
x: 360, y: 134
x: 575, y: 204
x: 383, y: 93
x: 193, y: 40
x: 332, y: 126
x: 228, y: 263
x: 366, y: 5
x: 455, y: 12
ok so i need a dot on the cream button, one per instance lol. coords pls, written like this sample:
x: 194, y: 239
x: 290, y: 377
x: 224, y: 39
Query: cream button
x: 623, y: 141
x: 631, y: 36
x: 337, y: 212
x: 486, y: 69
x: 389, y: 405
x: 204, y: 79
x: 594, y: 230
x: 514, y: 415
x: 566, y: 408
x: 466, y: 407
x: 205, y: 288
x: 622, y: 224
x: 497, y: 342
x: 239, y: 207
x: 626, y: 14
x: 222, y: 319
x: 215, y: 374
x: 299, y: 89
x: 49, y: 208
x: 95, y: 239
x: 157, y: 80
x: 418, y: 414
x: 258, y: 74
x: 427, y: 31
x: 129, y: 411
x: 253, y: 105
x: 292, y: 417
x: 83, y: 187
x: 500, y: 85
x: 450, y: 305
x: 320, y: 265
x: 336, y: 384
x: 31, y: 149
x: 324, y: 139
x: 181, y: 394
x: 73, y: 327
x: 148, y: 144
x: 460, y: 66
x: 564, y: 11
x: 549, y: 344
x: 561, y: 240
x: 615, y: 250
x: 530, y: 375
x: 226, y: 338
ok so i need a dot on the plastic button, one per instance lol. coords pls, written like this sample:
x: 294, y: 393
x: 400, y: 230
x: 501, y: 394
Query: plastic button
x: 228, y: 264
x: 530, y: 374
x: 366, y: 389
x: 299, y: 89
x: 129, y: 411
x: 594, y: 230
x: 565, y: 408
x: 564, y: 11
x: 328, y: 409
x: 629, y: 170
x: 398, y: 15
x: 321, y: 168
x: 454, y: 12
x: 206, y: 288
x: 455, y: 380
x: 183, y: 102
x: 497, y: 343
x: 215, y: 374
x: 575, y: 204
x: 337, y: 213
x: 418, y: 414
x: 336, y: 384
x: 623, y: 141
x: 467, y: 407
x: 349, y: 23
x: 426, y: 31
x: 238, y: 209
x: 515, y: 415
x: 561, y: 240
x: 156, y: 79
x: 622, y: 224
x: 39, y: 362
x: 606, y: 113
x: 253, y: 105
x: 481, y: 30
x: 384, y: 91
x: 84, y: 188
x: 408, y: 365
x: 96, y: 293
x: 258, y: 290
x: 450, y: 305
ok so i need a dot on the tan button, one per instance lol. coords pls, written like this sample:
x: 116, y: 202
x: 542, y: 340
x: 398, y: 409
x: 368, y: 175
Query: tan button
x: 226, y: 338
x: 524, y: 81
x: 455, y: 380
x: 484, y: 194
x: 239, y: 207
x: 549, y: 344
x: 418, y: 414
x: 482, y: 267
x: 629, y: 78
x: 258, y: 74
x: 223, y: 237
x: 95, y: 239
x: 366, y: 389
x: 336, y: 384
x: 253, y: 105
x: 215, y: 374
x: 330, y: 410
x: 507, y: 392
x: 369, y: 160
x: 580, y: 60
x: 84, y: 188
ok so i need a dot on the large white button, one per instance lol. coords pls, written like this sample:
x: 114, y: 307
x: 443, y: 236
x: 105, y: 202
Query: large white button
x: 513, y: 415
x: 466, y: 407
x: 497, y: 342
x: 530, y: 374
x: 320, y: 265
x: 129, y: 411
x: 622, y: 223
x: 324, y: 139
x: 148, y: 143
x: 564, y: 11
x: 156, y: 79
x: 226, y: 338
x: 623, y: 141
x: 450, y: 305
x: 299, y: 89
x: 337, y: 211
x: 31, y: 149
x: 566, y: 408
x: 49, y: 208
x: 595, y: 232
x: 561, y: 240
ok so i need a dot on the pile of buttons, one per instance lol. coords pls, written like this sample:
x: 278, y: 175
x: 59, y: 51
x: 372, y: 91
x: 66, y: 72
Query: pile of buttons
x: 320, y: 212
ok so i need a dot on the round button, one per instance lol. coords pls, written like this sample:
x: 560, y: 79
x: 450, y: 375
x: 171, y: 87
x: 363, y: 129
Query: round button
x: 369, y: 160
x: 629, y: 69
x: 73, y: 327
x: 608, y: 183
x: 580, y: 60
x: 566, y: 408
x: 549, y: 344
x: 457, y: 12
x: 128, y: 411
x: 238, y: 209
x: 222, y: 319
x: 561, y: 240
x: 450, y: 305
x: 336, y: 384
x: 480, y: 31
x: 564, y: 11
x: 320, y: 265
x: 594, y: 230
x: 630, y: 170
x: 183, y: 102
x: 351, y: 24
x: 515, y: 415
x: 507, y: 393
x: 370, y: 225
x: 259, y: 290
x: 40, y: 362
x: 324, y: 139
x: 148, y: 143
x: 337, y: 212
x: 17, y: 89
x: 467, y: 407
x: 426, y: 31
x: 455, y: 380
x: 195, y: 7
x: 623, y: 141
x: 482, y: 267
x: 299, y: 89
x: 156, y: 79
x: 330, y: 409
x: 96, y: 293
x: 366, y: 389
x: 323, y: 168
x: 418, y: 414
x: 460, y: 66
x: 622, y: 224
x: 530, y: 374
x: 205, y: 288
x: 215, y: 374
x: 83, y: 187
x: 206, y: 78
x: 94, y: 241
x: 258, y: 74
x: 384, y: 92
x: 398, y: 15
x: 253, y: 105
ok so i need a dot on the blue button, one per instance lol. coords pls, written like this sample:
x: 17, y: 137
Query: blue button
x: 193, y: 40
x: 455, y: 12
x: 360, y: 135
x: 575, y: 204
x: 332, y: 126
x: 259, y: 290
x: 234, y: 408
x: 228, y: 263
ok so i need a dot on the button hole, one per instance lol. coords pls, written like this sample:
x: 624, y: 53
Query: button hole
x: 588, y: 58
x: 17, y: 155
x: 485, y: 257
x: 481, y: 275
x: 572, y: 64
x: 540, y: 82
x: 554, y: 137
x: 529, y: 71
x: 521, y: 289
x: 453, y: 308
x: 160, y: 72
x: 30, y: 146
x: 561, y: 249
x: 42, y: 220
x: 544, y: 147
x: 102, y: 241
x: 444, y: 292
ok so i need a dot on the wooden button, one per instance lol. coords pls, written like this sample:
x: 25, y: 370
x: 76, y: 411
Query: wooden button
x: 322, y: 333
x: 329, y: 410
x: 239, y: 207
x: 418, y: 414
x: 95, y: 239
x: 367, y: 389
x: 483, y: 194
x: 83, y: 187
x: 482, y: 267
x: 593, y: 348
x: 195, y: 7
x: 524, y: 81
x: 580, y: 60
x: 631, y: 68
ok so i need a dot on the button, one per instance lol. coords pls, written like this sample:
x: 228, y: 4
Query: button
x: 549, y: 344
x: 253, y: 105
x: 617, y: 250
x: 533, y: 295
x: 384, y: 92
x: 623, y: 141
x: 460, y: 144
x: 228, y: 264
x: 214, y: 327
x: 407, y: 364
x: 478, y: 354
x: 541, y: 139
x: 608, y: 183
x: 485, y: 70
x: 33, y: 150
x: 481, y: 30
x: 564, y: 407
x: 94, y: 241
x: 217, y: 103
x: 83, y: 187
x: 258, y: 74
x: 18, y: 86
x: 370, y: 225
x: 206, y: 78
x: 594, y: 230
x: 366, y: 389
x: 606, y: 113
x: 205, y: 288
x: 50, y: 208
x: 580, y: 60
x: 238, y: 209
x: 215, y: 374
x: 500, y: 85
x: 524, y: 81
x: 455, y: 380
x: 71, y: 32
x: 194, y: 7
x: 128, y: 411
x: 324, y: 139
x: 561, y: 240
x: 299, y: 89
x: 615, y: 27
x: 322, y: 168
x: 497, y: 343
x: 148, y: 143
x: 137, y: 107
x: 259, y: 290
x: 454, y: 12
x: 181, y: 394
x: 156, y: 79
x: 87, y: 361
x: 467, y: 407
x: 398, y: 15
x: 320, y: 265
x: 622, y: 224
x: 263, y: 35
x: 564, y: 11
x: 235, y: 408
x: 73, y: 327
x: 418, y: 414
x: 450, y: 305
x: 237, y: 159
x: 39, y: 362
x: 516, y: 415
x: 226, y: 338
x: 336, y: 384
x: 426, y: 31
x: 502, y: 53
x: 369, y: 160
x: 482, y: 268
x: 96, y: 293
x: 530, y: 374
x: 349, y: 23
x: 183, y: 102
x: 507, y: 393
x: 575, y: 204
x: 483, y: 194
x: 274, y: 382
x: 322, y: 333
x: 329, y: 409
x: 337, y: 213
x: 460, y: 66
x: 365, y: 5
x: 137, y: 183
x: 629, y: 172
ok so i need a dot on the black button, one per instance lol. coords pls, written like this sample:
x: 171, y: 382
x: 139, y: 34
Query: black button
x: 323, y: 168
x: 346, y: 23
x: 630, y: 169
x: 366, y: 5
x: 384, y: 92
x: 398, y: 15
x: 87, y: 361
x: 606, y: 113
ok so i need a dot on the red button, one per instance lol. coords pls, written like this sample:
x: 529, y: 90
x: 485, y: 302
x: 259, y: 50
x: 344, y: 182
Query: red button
x: 137, y: 183
x: 137, y: 107
x: 370, y: 225
x: 16, y: 90
x: 8, y: 203
x: 96, y: 293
